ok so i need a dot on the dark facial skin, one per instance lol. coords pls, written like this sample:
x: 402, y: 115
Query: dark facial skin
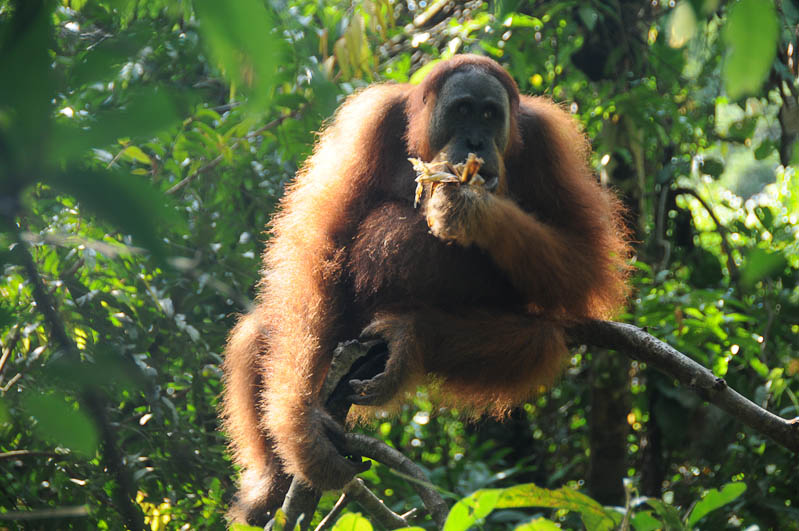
x: 471, y: 116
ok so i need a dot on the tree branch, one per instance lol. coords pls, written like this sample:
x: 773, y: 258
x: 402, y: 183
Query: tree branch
x: 722, y: 230
x: 90, y: 397
x: 624, y: 338
x: 219, y: 158
x: 303, y: 499
x: 357, y: 490
x: 638, y: 344
x: 383, y: 453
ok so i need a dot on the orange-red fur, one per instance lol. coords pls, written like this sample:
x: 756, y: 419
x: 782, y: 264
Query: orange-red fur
x: 482, y: 318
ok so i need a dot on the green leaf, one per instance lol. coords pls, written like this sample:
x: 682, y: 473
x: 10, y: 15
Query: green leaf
x: 714, y: 499
x: 765, y: 149
x: 352, y: 522
x: 27, y: 83
x: 765, y: 216
x: 644, y: 521
x: 135, y: 153
x: 469, y: 510
x: 760, y: 264
x: 241, y: 37
x: 751, y: 35
x: 280, y: 521
x: 594, y: 516
x: 713, y: 167
x: 60, y: 422
x: 420, y: 74
x: 538, y: 524
x: 128, y: 202
x: 669, y: 515
x: 517, y: 20
x: 245, y: 527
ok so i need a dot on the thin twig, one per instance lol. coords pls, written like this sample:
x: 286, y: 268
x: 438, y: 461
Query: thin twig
x: 373, y: 505
x: 383, y: 453
x: 327, y: 521
x: 46, y: 514
x: 722, y: 230
x: 14, y: 379
x: 219, y: 158
x: 7, y: 349
x: 15, y: 454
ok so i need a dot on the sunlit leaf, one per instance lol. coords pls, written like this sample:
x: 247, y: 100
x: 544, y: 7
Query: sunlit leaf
x: 715, y: 499
x: 682, y: 25
x: 135, y: 153
x: 539, y: 524
x: 750, y: 33
x: 644, y: 521
x: 352, y: 522
x: 469, y: 510
x: 592, y: 513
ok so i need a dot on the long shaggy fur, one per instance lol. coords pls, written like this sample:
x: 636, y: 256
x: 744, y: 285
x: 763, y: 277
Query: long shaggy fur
x: 477, y: 308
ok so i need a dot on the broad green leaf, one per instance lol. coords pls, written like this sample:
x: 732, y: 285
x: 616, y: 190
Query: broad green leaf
x: 714, y: 499
x: 280, y: 520
x: 760, y: 264
x: 594, y: 516
x: 765, y: 149
x: 750, y: 34
x: 127, y: 201
x: 469, y: 510
x: 241, y: 38
x: 352, y: 522
x: 669, y: 515
x: 644, y: 521
x: 60, y: 422
x: 27, y: 84
x: 539, y: 524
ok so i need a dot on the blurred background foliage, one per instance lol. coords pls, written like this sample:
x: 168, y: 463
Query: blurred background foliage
x: 145, y: 143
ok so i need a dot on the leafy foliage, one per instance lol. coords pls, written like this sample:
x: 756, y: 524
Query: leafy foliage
x: 144, y: 145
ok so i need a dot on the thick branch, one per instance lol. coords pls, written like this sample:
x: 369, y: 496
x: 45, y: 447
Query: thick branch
x: 112, y: 458
x: 303, y: 499
x: 639, y: 345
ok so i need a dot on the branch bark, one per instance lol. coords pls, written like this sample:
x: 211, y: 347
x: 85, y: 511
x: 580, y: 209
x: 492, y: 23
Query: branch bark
x: 627, y: 339
x: 638, y: 344
x: 302, y: 499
